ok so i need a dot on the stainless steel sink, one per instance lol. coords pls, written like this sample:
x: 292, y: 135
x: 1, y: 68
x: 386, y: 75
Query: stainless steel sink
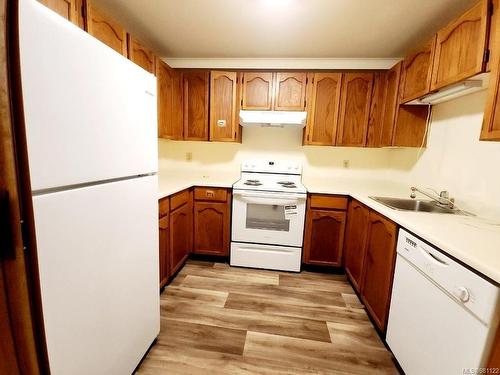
x: 417, y: 205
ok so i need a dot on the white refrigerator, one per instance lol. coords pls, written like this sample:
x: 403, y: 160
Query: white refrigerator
x: 90, y: 119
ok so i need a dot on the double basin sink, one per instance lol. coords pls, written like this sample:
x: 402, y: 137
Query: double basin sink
x: 418, y: 205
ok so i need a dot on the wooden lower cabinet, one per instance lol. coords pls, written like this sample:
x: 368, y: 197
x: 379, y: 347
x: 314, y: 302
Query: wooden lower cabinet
x: 164, y: 232
x: 181, y: 235
x: 355, y: 243
x: 378, y: 268
x: 212, y: 221
x: 324, y: 234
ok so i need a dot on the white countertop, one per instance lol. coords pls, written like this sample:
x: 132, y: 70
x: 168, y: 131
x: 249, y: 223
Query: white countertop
x: 474, y: 241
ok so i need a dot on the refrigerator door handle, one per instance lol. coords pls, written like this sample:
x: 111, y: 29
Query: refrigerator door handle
x: 6, y: 240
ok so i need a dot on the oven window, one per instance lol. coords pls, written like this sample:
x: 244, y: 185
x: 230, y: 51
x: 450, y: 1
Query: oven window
x: 267, y: 216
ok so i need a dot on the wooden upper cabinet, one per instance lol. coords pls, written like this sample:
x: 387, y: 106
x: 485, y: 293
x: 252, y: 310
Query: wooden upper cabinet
x: 65, y: 8
x: 257, y: 91
x: 378, y: 268
x: 195, y: 90
x: 290, y: 91
x: 416, y: 72
x: 491, y: 121
x: 224, y: 108
x: 141, y: 55
x: 391, y: 104
x: 323, y: 108
x: 460, y: 47
x: 169, y: 97
x: 354, y: 109
x: 376, y: 110
x: 106, y: 29
x: 355, y: 242
x: 410, y: 127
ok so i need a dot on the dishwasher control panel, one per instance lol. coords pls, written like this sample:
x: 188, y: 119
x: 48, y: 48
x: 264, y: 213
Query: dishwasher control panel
x: 468, y: 288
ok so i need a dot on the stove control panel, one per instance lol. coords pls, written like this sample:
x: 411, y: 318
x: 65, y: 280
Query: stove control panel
x: 271, y: 166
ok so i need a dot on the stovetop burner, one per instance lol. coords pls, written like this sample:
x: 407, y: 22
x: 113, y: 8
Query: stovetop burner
x: 287, y: 184
x: 253, y: 182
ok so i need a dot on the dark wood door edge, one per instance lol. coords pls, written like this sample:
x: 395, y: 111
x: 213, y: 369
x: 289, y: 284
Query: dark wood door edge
x: 31, y: 341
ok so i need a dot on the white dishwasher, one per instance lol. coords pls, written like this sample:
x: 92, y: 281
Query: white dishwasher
x: 443, y: 317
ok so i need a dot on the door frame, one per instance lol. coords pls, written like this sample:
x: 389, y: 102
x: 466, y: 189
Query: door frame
x: 18, y: 260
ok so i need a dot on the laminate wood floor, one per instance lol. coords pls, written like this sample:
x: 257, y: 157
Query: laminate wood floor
x: 217, y: 319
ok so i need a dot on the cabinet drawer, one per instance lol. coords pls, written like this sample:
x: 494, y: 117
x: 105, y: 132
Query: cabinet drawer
x: 163, y: 207
x: 210, y: 194
x: 179, y: 199
x: 334, y: 202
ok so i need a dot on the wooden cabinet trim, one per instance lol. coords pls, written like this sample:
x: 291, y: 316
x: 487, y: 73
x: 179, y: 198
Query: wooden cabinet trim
x: 325, y: 201
x: 163, y: 207
x: 210, y: 194
x: 179, y: 199
x: 477, y: 14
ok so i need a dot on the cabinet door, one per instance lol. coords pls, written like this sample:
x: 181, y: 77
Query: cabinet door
x: 491, y: 120
x: 224, y: 122
x: 290, y: 91
x: 195, y: 90
x: 107, y: 30
x: 181, y: 236
x: 376, y: 110
x: 460, y: 47
x: 323, y: 108
x: 410, y: 127
x: 211, y: 228
x: 169, y: 102
x: 416, y: 72
x: 257, y: 91
x: 65, y: 8
x: 141, y: 55
x: 378, y: 268
x: 391, y: 105
x: 355, y: 242
x: 324, y: 237
x: 164, y: 250
x: 355, y: 109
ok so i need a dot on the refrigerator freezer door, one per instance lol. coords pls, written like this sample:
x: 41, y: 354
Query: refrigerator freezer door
x: 90, y: 113
x: 98, y: 262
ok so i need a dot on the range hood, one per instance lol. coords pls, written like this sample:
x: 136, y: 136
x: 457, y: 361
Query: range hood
x: 273, y: 119
x: 476, y: 83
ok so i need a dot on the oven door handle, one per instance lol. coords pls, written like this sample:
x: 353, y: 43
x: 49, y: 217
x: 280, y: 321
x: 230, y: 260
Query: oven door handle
x: 292, y: 197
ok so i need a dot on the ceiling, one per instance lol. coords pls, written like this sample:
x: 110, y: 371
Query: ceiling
x: 283, y: 28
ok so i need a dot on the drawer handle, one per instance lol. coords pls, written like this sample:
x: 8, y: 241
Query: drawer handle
x: 210, y: 193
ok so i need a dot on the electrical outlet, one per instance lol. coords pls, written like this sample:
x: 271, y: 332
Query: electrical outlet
x: 346, y: 163
x: 189, y: 156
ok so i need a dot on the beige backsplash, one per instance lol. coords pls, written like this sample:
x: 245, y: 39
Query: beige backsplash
x: 454, y: 159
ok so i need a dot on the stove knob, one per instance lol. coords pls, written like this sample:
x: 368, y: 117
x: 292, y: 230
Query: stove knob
x: 462, y: 294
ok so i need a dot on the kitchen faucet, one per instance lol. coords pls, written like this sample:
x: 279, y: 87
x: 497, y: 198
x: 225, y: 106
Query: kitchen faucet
x: 442, y: 199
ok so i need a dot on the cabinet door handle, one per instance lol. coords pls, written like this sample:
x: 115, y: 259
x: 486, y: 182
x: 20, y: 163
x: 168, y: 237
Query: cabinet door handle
x: 6, y: 242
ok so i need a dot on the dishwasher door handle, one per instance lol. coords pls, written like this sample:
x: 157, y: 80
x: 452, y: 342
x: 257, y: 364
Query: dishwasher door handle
x: 434, y: 258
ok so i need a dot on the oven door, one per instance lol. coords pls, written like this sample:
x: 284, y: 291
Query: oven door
x: 268, y: 218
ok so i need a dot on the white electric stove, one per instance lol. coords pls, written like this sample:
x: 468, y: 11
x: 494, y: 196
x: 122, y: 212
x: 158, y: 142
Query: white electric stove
x: 269, y: 204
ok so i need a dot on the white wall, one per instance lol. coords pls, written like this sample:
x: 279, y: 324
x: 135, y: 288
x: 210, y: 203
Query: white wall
x: 218, y: 157
x: 455, y: 159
